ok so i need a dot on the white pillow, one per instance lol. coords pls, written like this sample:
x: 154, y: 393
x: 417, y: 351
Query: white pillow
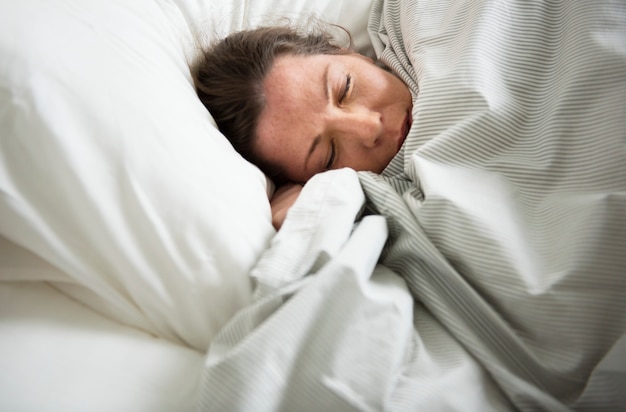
x: 215, y: 19
x: 114, y: 173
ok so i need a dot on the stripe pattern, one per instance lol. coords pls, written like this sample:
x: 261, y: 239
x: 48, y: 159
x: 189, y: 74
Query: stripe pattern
x: 507, y: 203
x: 500, y: 283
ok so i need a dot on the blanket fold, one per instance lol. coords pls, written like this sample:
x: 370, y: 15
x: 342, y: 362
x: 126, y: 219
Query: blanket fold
x: 484, y: 270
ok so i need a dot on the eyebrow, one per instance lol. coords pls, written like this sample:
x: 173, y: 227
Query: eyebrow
x: 318, y: 138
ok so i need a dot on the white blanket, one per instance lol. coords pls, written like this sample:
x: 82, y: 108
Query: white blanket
x: 332, y: 330
x: 500, y: 275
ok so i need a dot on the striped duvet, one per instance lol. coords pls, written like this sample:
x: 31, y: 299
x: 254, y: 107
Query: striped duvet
x: 487, y: 267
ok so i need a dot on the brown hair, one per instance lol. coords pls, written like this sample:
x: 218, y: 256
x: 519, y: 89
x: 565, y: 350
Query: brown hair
x: 229, y: 78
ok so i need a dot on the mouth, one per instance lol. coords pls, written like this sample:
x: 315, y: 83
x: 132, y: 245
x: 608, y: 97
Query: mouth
x: 406, y: 126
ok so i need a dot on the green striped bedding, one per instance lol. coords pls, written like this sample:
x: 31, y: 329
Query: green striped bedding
x: 486, y: 270
x: 507, y: 208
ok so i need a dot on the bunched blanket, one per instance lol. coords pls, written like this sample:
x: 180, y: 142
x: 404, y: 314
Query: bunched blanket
x: 485, y: 268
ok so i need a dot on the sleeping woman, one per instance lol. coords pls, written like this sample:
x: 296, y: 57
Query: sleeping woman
x: 296, y: 104
x: 505, y: 202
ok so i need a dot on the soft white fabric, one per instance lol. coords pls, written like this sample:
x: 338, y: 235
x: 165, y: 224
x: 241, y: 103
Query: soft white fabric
x: 330, y: 329
x: 505, y: 217
x: 115, y: 174
x: 58, y: 355
x: 117, y: 188
x: 511, y: 188
x: 215, y: 19
x: 112, y: 171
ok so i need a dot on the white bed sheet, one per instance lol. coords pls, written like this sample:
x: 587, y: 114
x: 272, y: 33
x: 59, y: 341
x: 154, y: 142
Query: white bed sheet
x: 330, y: 329
x: 506, y: 217
x: 319, y: 331
x: 58, y: 355
x: 117, y: 189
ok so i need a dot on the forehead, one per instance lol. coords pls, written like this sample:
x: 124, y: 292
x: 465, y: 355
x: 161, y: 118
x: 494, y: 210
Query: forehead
x: 293, y: 90
x: 296, y: 77
x: 295, y: 95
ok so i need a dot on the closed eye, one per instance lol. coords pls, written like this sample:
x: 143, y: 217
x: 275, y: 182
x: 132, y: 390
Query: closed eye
x: 346, y: 89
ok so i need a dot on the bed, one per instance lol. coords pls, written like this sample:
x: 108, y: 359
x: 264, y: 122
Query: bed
x: 483, y: 270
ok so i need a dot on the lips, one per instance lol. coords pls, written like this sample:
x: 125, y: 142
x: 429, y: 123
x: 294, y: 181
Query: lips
x: 406, y: 126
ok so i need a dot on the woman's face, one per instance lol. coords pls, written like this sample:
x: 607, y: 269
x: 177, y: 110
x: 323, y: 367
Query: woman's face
x: 326, y: 112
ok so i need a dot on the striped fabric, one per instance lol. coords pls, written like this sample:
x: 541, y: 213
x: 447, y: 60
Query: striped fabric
x: 492, y: 274
x: 330, y: 329
x: 507, y: 205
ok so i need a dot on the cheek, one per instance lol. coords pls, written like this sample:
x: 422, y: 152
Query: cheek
x: 396, y: 87
x: 374, y: 160
x: 382, y: 88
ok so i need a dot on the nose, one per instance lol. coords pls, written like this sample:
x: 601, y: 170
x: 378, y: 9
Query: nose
x: 357, y: 126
